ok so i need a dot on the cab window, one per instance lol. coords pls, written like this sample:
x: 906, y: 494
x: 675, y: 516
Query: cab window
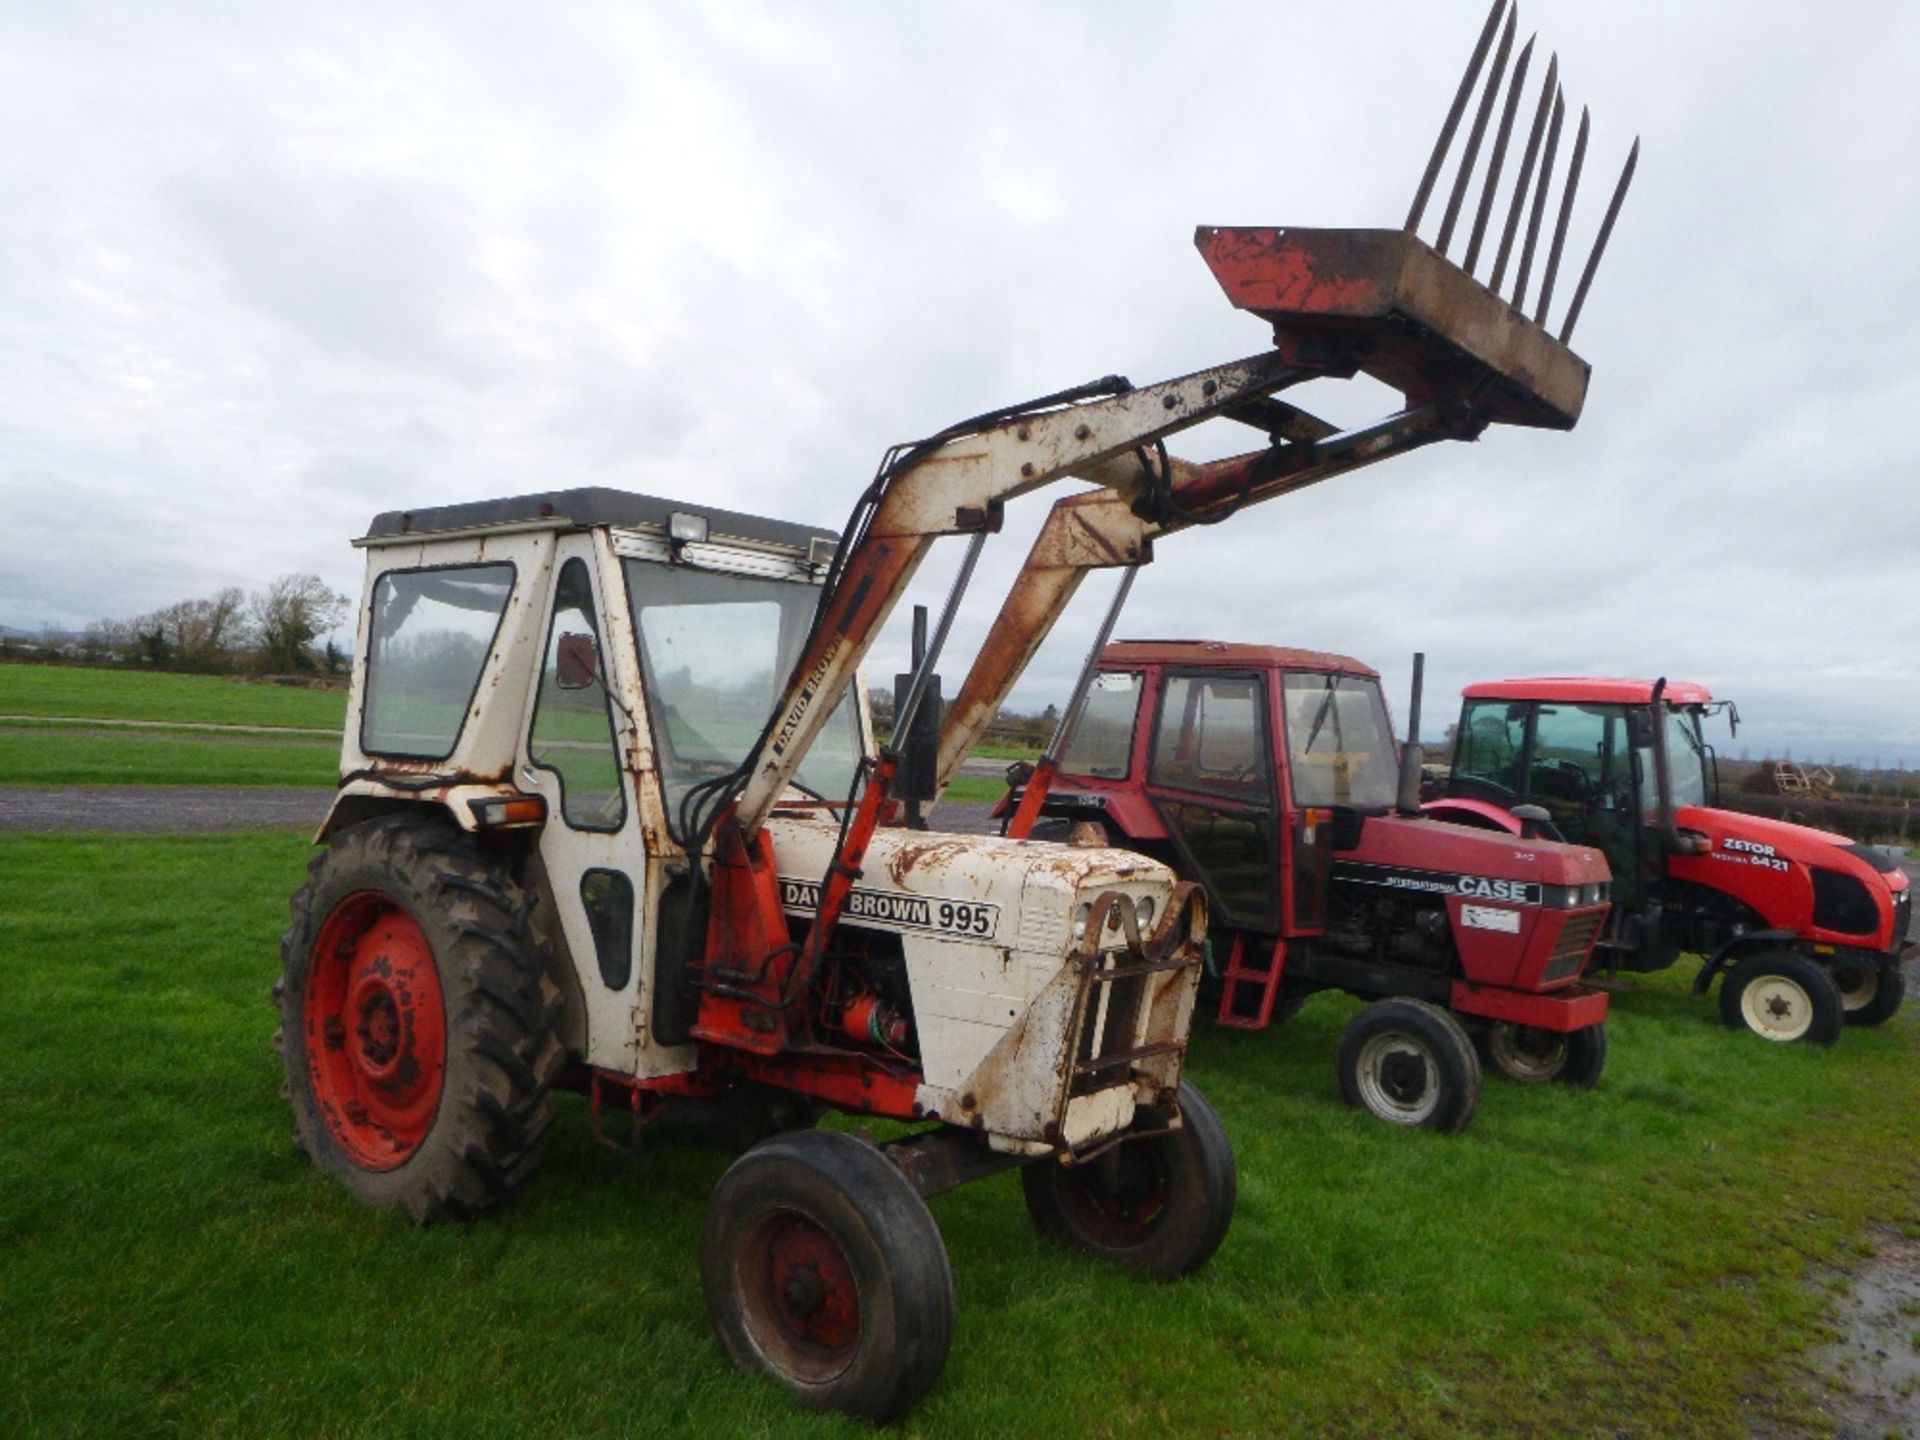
x: 1209, y: 737
x: 429, y: 636
x: 1102, y: 740
x: 572, y: 721
x: 1487, y: 750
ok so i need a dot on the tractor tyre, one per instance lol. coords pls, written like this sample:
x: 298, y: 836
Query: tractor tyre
x: 1868, y: 996
x: 1533, y: 1056
x: 823, y: 1269
x: 1780, y: 995
x: 417, y: 1021
x: 1409, y: 1062
x: 1159, y: 1204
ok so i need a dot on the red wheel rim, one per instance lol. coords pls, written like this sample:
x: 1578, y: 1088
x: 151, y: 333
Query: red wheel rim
x: 801, y: 1298
x: 1117, y: 1199
x: 376, y: 1030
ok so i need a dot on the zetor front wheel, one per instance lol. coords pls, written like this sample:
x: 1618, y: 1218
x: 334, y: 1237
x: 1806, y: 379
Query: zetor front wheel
x: 1532, y: 1055
x: 417, y: 1020
x: 1409, y: 1062
x: 823, y: 1269
x: 1781, y: 995
x: 1869, y: 996
x: 1159, y: 1204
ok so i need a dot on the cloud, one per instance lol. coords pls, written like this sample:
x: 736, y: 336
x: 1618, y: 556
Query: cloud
x: 269, y: 270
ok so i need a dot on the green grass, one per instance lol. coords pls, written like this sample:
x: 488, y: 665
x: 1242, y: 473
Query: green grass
x: 1626, y: 1262
x: 118, y: 694
x: 95, y: 757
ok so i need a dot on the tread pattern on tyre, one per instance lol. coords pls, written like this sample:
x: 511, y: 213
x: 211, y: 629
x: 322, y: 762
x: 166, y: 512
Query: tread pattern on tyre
x: 1455, y: 1110
x: 837, y: 1180
x: 503, y: 1012
x: 1828, y: 1011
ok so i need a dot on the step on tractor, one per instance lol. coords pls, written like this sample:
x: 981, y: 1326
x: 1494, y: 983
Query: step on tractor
x: 1803, y: 928
x: 1272, y: 777
x: 611, y: 818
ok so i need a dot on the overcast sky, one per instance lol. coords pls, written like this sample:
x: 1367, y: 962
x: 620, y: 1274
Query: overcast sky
x: 266, y: 271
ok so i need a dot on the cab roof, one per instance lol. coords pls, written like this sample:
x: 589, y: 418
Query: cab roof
x: 590, y: 507
x: 1588, y: 690
x: 1221, y: 652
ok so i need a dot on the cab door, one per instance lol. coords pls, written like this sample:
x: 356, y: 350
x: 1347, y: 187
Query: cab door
x: 1210, y: 777
x: 591, y: 847
x: 1583, y: 770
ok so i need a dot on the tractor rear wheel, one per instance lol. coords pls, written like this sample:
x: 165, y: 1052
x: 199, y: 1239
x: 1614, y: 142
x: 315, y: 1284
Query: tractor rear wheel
x: 1869, y: 996
x: 1532, y: 1055
x: 417, y: 1022
x: 1780, y: 995
x: 1410, y: 1063
x: 823, y: 1269
x: 1159, y: 1204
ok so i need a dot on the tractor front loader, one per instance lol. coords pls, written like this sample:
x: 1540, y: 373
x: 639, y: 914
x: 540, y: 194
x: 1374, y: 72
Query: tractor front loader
x: 611, y: 817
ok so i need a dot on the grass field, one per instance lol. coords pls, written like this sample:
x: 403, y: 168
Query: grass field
x: 1627, y: 1262
x: 176, y: 699
x: 75, y: 756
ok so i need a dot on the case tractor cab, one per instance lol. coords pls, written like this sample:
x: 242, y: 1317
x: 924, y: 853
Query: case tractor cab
x: 1272, y: 777
x: 611, y: 817
x: 1804, y: 928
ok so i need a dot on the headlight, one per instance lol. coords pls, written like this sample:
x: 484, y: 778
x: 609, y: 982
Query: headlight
x: 1080, y: 918
x: 1143, y: 911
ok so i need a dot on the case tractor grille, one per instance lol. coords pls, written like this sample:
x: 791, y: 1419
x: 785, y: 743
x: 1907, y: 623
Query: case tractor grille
x: 1575, y: 943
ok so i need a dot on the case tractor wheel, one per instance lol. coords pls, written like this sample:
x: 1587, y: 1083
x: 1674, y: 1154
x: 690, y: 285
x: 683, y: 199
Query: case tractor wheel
x: 1159, y: 1204
x: 416, y: 1020
x: 823, y: 1269
x: 1868, y: 996
x: 1531, y: 1055
x: 1409, y: 1062
x: 1780, y: 995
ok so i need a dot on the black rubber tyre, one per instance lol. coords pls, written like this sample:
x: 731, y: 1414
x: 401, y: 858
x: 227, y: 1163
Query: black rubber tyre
x: 1160, y: 1205
x: 823, y: 1269
x: 1783, y: 996
x: 1869, y: 996
x: 432, y: 935
x: 1534, y: 1056
x: 1409, y: 1062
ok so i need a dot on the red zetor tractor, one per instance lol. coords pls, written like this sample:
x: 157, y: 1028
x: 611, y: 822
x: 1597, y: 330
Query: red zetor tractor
x: 1805, y: 927
x: 1272, y: 777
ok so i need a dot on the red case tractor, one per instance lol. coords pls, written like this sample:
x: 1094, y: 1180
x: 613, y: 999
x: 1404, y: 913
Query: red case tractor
x: 1273, y: 778
x: 1804, y: 927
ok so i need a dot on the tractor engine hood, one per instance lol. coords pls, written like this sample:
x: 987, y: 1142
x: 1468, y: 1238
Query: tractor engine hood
x: 1811, y: 882
x: 1471, y: 853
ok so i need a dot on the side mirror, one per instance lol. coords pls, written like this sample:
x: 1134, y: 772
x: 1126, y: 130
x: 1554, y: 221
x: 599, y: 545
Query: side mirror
x: 577, y: 666
x: 1640, y: 728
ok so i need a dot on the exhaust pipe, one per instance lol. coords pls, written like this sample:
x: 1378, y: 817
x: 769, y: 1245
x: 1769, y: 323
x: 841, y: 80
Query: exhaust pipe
x: 1411, y: 756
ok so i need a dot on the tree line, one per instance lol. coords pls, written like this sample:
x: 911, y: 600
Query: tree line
x: 276, y: 631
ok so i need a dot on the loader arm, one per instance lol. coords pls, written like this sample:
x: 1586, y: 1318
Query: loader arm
x: 1100, y: 529
x: 959, y: 487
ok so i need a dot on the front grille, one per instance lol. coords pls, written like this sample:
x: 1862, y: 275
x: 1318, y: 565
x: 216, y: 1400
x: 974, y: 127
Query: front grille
x: 1575, y: 941
x: 1111, y: 1026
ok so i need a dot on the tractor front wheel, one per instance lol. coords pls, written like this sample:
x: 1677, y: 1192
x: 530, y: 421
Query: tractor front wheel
x: 1783, y: 996
x: 1869, y: 996
x: 417, y: 1022
x: 823, y: 1269
x: 1532, y: 1055
x: 1409, y: 1062
x: 1159, y: 1204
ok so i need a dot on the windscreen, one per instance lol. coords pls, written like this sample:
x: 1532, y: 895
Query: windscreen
x: 715, y: 649
x: 1102, y: 740
x: 1339, y: 746
x: 1686, y: 760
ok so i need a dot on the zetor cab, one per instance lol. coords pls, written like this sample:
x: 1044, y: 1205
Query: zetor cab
x: 1272, y: 776
x: 1806, y: 926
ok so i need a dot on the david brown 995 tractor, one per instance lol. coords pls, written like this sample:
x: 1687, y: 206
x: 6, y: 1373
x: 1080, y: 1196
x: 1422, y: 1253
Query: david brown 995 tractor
x: 1805, y: 928
x: 610, y: 817
x: 1272, y: 776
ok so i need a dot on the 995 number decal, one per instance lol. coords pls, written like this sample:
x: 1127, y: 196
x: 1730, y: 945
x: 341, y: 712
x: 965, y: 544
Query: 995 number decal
x: 972, y: 919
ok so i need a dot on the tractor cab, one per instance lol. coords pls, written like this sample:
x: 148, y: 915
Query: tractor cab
x: 1802, y: 915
